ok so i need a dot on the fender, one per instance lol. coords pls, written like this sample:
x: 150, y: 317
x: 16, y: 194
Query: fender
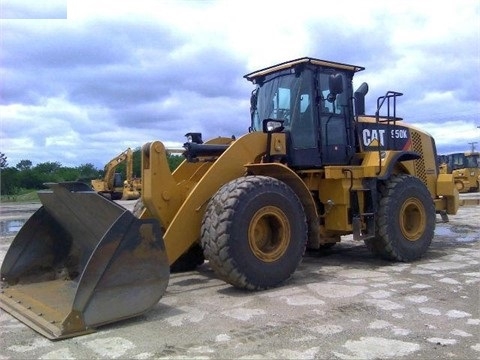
x: 288, y: 176
x: 398, y: 157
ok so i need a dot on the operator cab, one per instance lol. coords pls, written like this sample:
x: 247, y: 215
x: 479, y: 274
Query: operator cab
x: 313, y: 99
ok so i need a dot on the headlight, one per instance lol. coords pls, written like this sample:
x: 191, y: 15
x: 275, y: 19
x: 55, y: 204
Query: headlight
x: 272, y: 125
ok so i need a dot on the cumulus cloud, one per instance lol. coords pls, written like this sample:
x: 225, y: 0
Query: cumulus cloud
x: 83, y: 87
x: 26, y: 9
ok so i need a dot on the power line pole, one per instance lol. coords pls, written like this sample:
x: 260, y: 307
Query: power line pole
x: 473, y: 145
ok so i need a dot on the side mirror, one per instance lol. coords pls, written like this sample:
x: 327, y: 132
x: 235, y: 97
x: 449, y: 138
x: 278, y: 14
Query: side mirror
x: 335, y: 85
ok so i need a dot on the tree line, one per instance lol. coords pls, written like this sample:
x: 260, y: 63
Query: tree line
x: 26, y: 176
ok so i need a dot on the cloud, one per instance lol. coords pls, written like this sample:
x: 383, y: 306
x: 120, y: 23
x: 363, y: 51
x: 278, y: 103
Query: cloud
x: 118, y: 74
x: 27, y: 9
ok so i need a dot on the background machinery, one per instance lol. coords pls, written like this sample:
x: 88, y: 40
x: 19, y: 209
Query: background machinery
x: 465, y: 168
x: 112, y: 184
x: 312, y: 168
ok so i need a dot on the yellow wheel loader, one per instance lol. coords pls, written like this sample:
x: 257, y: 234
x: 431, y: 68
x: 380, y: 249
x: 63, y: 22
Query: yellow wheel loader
x: 465, y: 168
x: 312, y: 168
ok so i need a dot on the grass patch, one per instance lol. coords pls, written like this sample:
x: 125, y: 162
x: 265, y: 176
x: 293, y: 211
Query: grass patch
x: 22, y: 196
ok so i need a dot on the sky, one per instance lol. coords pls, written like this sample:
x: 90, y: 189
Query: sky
x: 82, y: 80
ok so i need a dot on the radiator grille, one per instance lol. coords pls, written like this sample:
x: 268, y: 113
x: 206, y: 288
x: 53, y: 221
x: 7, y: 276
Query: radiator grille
x: 420, y: 163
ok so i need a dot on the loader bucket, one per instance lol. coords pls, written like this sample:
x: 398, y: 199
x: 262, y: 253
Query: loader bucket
x: 81, y: 261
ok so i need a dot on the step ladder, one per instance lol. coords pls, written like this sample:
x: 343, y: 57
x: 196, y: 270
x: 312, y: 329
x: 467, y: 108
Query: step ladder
x: 366, y: 215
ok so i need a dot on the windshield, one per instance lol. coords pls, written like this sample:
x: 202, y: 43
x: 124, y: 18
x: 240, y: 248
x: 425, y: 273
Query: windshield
x: 472, y: 161
x: 282, y: 97
x: 458, y: 161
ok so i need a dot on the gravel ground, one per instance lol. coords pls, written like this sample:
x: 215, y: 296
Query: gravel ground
x: 340, y: 304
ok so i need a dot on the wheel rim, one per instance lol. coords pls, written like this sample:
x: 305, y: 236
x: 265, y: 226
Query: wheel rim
x: 459, y: 185
x: 412, y: 219
x: 269, y: 234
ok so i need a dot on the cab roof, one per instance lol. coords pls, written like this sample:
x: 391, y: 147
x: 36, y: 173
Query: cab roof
x: 292, y: 63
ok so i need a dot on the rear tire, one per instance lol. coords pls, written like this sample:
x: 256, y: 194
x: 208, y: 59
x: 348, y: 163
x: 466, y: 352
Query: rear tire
x: 254, y: 232
x: 405, y: 221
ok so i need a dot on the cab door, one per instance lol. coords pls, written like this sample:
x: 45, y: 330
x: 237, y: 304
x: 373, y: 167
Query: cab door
x: 335, y: 120
x: 302, y: 132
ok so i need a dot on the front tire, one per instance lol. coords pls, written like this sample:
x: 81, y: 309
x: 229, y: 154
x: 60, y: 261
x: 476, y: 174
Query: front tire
x: 405, y: 220
x: 254, y: 232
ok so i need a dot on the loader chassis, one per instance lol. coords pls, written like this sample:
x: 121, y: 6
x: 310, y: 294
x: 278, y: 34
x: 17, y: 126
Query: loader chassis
x: 312, y: 167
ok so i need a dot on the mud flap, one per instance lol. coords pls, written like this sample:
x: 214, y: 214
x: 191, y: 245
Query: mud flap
x: 82, y: 261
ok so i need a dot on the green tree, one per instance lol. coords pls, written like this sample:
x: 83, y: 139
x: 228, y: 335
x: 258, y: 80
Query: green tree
x: 65, y: 174
x: 87, y: 171
x: 24, y: 165
x: 49, y: 167
x: 3, y: 161
x: 137, y: 162
x: 174, y: 161
x: 48, y: 171
x: 30, y: 179
x: 9, y: 181
x: 26, y: 176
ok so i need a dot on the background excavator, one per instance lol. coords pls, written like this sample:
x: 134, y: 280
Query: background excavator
x: 112, y: 184
x: 311, y: 168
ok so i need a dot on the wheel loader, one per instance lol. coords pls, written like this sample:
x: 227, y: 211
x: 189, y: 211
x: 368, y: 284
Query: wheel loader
x: 465, y: 168
x: 312, y: 168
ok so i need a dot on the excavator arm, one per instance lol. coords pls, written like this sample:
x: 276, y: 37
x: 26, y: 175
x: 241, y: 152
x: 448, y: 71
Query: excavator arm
x: 112, y: 165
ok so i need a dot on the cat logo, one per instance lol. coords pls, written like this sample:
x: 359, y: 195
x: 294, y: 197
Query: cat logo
x: 373, y: 137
